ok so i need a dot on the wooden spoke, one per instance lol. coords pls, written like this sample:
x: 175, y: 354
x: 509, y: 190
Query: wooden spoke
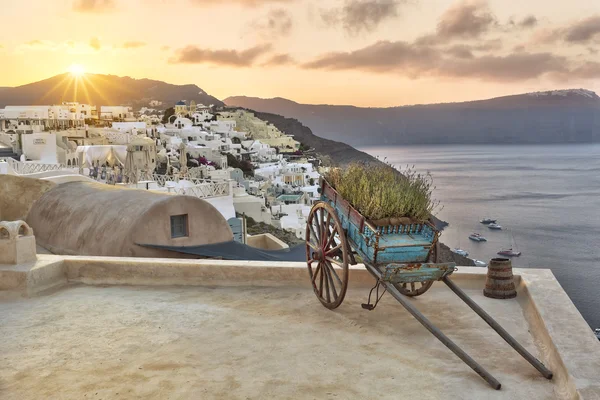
x: 331, y: 283
x: 331, y: 239
x: 317, y: 270
x: 321, y: 283
x: 326, y: 284
x: 332, y: 270
x: 326, y: 245
x: 315, y: 230
x: 322, y: 226
x: 334, y: 261
x: 333, y: 250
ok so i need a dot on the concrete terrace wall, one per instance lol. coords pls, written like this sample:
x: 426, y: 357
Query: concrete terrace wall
x: 17, y: 195
x: 82, y: 218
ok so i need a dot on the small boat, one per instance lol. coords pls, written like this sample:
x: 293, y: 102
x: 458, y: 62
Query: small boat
x: 494, y: 226
x: 509, y: 253
x: 479, y: 263
x: 487, y: 221
x: 477, y: 237
x: 460, y: 252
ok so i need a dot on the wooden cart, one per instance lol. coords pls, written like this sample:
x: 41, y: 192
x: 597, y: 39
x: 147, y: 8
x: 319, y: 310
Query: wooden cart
x: 401, y: 258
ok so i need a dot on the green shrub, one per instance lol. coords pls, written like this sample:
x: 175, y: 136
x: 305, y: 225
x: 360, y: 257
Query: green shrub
x: 378, y: 191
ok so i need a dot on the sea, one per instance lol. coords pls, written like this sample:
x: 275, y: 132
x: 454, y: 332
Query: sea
x: 546, y: 198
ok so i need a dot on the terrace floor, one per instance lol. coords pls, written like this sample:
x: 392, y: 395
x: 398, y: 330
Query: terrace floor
x: 105, y: 342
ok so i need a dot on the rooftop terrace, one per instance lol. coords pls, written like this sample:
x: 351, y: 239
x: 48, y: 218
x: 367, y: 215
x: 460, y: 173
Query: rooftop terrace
x: 100, y: 327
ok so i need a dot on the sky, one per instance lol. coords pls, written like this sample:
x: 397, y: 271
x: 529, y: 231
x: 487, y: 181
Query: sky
x: 370, y: 53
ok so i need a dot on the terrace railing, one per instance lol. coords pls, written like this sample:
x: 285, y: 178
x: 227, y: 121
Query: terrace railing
x: 22, y: 168
x: 201, y: 188
x: 204, y: 190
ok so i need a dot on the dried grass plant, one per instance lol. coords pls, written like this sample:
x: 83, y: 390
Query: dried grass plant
x: 379, y: 192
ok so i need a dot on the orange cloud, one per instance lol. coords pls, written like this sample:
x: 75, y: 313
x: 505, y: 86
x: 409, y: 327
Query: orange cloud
x: 246, y: 3
x: 93, y: 6
x: 95, y: 43
x: 133, y: 45
x: 233, y: 58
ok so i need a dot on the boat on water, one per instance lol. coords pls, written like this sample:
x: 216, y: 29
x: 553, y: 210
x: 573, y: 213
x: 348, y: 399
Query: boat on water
x: 479, y: 263
x: 476, y: 237
x: 460, y: 252
x: 487, y: 221
x: 509, y: 253
x: 494, y: 225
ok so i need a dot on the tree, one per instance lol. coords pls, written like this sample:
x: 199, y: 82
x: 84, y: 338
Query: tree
x: 169, y: 112
x: 245, y: 166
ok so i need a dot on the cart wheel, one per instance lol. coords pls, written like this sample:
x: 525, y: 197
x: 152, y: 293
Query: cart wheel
x: 413, y: 289
x: 327, y: 255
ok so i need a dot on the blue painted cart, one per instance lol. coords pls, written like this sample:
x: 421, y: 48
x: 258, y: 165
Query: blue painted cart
x: 401, y: 258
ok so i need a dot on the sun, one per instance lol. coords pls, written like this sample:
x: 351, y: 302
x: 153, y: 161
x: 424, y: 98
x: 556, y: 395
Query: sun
x: 76, y: 70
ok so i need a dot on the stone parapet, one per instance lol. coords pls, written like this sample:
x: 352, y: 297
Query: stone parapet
x: 17, y: 243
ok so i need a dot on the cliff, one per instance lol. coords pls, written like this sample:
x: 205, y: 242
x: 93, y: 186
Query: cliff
x: 562, y: 116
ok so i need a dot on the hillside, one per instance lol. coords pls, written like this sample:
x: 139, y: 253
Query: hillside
x: 567, y: 116
x: 100, y: 90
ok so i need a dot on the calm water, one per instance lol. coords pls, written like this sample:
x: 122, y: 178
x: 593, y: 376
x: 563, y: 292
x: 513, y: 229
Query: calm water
x: 547, y: 198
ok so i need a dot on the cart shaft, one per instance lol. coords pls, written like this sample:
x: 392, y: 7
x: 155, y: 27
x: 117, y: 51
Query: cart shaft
x: 501, y: 331
x: 435, y: 331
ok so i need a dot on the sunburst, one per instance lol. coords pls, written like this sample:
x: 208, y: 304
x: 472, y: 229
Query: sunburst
x: 76, y: 70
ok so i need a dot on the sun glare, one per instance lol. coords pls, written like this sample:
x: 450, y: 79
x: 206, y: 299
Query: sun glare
x: 76, y: 70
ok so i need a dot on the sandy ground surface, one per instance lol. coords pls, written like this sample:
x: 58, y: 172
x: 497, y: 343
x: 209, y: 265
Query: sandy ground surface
x: 89, y: 342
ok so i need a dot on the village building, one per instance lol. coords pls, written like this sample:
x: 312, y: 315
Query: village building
x: 117, y: 113
x: 142, y: 218
x: 260, y: 130
x: 27, y: 119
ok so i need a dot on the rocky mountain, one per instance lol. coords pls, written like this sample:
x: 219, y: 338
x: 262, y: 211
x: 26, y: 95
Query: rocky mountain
x: 104, y: 90
x: 563, y: 116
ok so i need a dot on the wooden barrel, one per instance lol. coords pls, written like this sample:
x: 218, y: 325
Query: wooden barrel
x: 500, y: 283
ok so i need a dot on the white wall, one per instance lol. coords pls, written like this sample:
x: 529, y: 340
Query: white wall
x: 40, y: 147
x: 126, y: 126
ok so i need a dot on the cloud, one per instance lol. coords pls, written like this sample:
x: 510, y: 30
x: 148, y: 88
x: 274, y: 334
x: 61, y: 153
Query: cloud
x: 68, y: 46
x: 226, y: 57
x: 579, y: 32
x: 527, y: 22
x: 245, y: 3
x: 279, y: 59
x: 357, y: 16
x: 584, y: 30
x: 415, y: 61
x: 40, y: 45
x: 588, y: 70
x: 93, y: 6
x: 512, y: 67
x: 460, y: 51
x: 133, y: 45
x: 277, y: 22
x: 468, y: 19
x: 488, y: 45
x: 95, y: 43
x: 383, y: 56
